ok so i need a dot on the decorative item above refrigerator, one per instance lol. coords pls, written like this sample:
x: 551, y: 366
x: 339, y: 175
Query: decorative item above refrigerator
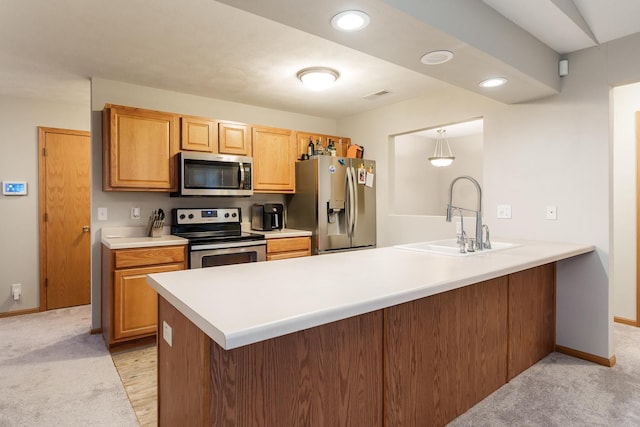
x: 336, y: 199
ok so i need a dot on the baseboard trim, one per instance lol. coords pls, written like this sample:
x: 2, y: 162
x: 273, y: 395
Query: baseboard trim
x: 95, y: 331
x: 19, y: 312
x: 587, y: 356
x: 625, y: 321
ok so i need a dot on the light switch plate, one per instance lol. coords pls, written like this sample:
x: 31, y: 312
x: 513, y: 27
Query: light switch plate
x: 166, y: 333
x: 504, y: 211
x: 552, y: 212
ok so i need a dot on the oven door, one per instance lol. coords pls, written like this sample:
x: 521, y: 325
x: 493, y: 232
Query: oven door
x: 227, y: 253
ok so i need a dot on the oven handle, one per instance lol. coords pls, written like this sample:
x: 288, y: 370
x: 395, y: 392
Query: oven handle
x: 226, y: 245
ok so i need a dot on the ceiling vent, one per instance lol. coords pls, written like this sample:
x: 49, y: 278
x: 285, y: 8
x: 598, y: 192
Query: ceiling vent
x: 376, y: 95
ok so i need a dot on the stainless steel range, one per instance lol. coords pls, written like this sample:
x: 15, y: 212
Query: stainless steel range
x: 216, y: 238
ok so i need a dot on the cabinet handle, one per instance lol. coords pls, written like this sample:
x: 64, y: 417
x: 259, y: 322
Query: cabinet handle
x: 85, y: 229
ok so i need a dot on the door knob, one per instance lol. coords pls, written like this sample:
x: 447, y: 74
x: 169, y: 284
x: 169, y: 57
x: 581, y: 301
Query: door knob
x: 85, y: 229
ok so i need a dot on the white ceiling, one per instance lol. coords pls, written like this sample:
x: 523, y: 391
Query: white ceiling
x: 249, y: 52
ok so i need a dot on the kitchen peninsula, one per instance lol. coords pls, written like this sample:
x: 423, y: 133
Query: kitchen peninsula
x: 366, y: 338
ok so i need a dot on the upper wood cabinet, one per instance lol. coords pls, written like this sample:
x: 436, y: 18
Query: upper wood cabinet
x: 234, y: 138
x: 304, y: 137
x: 139, y: 149
x: 198, y: 134
x: 274, y: 160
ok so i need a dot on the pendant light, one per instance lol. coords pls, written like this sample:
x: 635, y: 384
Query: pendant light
x: 442, y: 156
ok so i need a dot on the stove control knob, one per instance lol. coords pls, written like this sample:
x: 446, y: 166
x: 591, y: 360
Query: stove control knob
x: 190, y: 216
x: 233, y: 215
x: 226, y: 215
x: 182, y: 216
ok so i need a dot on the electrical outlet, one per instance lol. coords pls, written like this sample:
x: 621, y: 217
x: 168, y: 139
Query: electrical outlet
x: 166, y: 333
x: 102, y: 214
x: 16, y: 291
x: 135, y: 213
x: 504, y: 211
x: 552, y: 212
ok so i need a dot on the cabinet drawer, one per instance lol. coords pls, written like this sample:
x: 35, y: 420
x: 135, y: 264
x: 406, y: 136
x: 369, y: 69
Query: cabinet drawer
x: 286, y: 255
x: 139, y: 257
x: 288, y: 244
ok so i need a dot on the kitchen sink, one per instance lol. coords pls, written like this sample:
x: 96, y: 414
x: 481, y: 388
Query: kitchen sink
x: 450, y: 247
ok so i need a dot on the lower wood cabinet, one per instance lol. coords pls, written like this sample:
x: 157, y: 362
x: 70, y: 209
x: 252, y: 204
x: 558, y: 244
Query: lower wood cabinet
x: 288, y: 247
x: 129, y: 304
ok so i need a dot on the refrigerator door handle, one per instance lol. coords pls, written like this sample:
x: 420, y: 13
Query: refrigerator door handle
x: 355, y: 201
x: 348, y: 196
x: 350, y: 204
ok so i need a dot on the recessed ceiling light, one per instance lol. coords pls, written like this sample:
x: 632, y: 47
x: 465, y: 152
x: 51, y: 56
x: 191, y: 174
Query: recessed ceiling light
x: 350, y: 20
x: 493, y: 82
x: 436, y: 57
x: 318, y: 78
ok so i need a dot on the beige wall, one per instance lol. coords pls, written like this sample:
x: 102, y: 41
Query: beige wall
x: 553, y: 151
x: 19, y: 240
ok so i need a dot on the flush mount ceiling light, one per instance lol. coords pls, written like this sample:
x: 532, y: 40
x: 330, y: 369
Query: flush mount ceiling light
x: 436, y: 57
x: 318, y: 78
x: 442, y: 155
x: 350, y: 20
x: 493, y: 82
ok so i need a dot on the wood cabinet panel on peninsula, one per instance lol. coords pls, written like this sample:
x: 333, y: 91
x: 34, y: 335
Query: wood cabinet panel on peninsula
x: 139, y: 149
x: 129, y: 304
x: 274, y: 160
x: 419, y: 363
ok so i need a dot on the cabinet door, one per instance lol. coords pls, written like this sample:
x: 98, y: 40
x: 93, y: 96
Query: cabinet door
x: 139, y: 150
x: 135, y: 308
x: 233, y: 138
x: 274, y: 160
x: 198, y: 134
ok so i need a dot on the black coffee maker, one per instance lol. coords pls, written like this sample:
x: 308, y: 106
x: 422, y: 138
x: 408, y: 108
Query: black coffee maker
x: 267, y: 217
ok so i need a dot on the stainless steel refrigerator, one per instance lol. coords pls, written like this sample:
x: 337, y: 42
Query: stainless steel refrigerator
x: 336, y: 199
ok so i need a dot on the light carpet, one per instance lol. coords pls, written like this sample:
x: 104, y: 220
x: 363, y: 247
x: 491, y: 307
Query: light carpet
x: 564, y: 391
x: 54, y: 373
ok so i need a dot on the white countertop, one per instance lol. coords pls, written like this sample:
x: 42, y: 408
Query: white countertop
x: 241, y: 304
x: 135, y: 237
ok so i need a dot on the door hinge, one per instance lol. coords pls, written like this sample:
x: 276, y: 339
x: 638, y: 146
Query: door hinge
x: 46, y: 282
x: 44, y: 151
x: 46, y: 217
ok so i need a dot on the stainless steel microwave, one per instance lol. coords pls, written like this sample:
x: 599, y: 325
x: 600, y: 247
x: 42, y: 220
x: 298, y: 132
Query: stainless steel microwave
x: 204, y: 174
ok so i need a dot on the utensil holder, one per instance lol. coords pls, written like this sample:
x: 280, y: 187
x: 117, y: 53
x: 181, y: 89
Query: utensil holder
x: 155, y: 226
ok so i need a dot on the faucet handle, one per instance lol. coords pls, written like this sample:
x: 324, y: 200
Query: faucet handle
x: 487, y: 242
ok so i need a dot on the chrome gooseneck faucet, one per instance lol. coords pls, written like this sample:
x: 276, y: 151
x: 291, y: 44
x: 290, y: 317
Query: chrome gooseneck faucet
x: 479, y: 244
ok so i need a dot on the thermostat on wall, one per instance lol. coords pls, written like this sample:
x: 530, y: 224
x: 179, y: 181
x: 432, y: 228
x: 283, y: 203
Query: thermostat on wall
x: 14, y: 188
